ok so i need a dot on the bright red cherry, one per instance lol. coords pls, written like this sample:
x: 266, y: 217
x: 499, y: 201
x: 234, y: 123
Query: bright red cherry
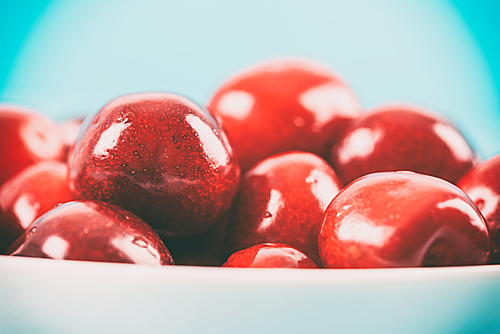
x: 28, y: 194
x: 270, y: 255
x: 402, y: 219
x: 160, y: 156
x: 402, y: 138
x: 283, y: 200
x: 93, y: 231
x: 26, y: 138
x: 482, y: 184
x: 283, y: 105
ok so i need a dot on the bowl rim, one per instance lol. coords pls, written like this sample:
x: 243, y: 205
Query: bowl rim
x: 193, y: 275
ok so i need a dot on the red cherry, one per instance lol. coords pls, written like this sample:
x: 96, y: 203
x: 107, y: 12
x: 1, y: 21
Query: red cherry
x: 283, y: 105
x: 27, y: 138
x: 283, y: 200
x: 93, y: 231
x: 482, y: 184
x: 205, y: 249
x: 71, y: 128
x: 30, y: 193
x: 402, y: 138
x: 402, y: 219
x: 270, y: 255
x: 159, y: 156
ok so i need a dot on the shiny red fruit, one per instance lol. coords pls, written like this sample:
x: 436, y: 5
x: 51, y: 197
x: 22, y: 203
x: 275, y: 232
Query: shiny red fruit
x: 402, y: 138
x: 283, y: 200
x: 26, y: 138
x: 482, y: 184
x: 30, y: 193
x: 159, y: 156
x: 93, y: 231
x: 283, y: 105
x: 269, y: 255
x: 402, y: 219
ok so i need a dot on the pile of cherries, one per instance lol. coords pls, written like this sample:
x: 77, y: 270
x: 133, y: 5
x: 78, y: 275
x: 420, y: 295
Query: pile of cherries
x: 283, y: 169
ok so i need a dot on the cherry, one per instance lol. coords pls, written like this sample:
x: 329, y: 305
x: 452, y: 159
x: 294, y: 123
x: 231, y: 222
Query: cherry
x: 401, y: 137
x: 482, y: 184
x: 30, y: 193
x: 93, y: 231
x: 270, y: 255
x: 402, y: 219
x: 160, y: 156
x: 71, y: 128
x: 204, y: 249
x: 283, y: 105
x: 283, y: 200
x: 26, y: 138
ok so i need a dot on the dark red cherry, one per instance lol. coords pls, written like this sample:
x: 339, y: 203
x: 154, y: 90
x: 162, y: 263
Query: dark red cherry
x: 159, y: 156
x: 270, y: 255
x: 402, y: 219
x: 26, y: 138
x: 482, y: 184
x: 283, y: 200
x: 205, y: 249
x: 93, y: 231
x: 28, y: 194
x: 395, y: 138
x: 283, y: 105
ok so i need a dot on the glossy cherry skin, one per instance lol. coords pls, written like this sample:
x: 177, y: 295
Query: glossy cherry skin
x: 482, y: 184
x: 402, y: 219
x: 270, y: 255
x: 402, y: 137
x: 28, y: 194
x: 160, y: 156
x: 93, y: 231
x: 283, y: 200
x: 283, y: 105
x: 26, y: 138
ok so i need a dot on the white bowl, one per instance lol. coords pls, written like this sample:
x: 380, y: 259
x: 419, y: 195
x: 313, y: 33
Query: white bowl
x: 53, y: 296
